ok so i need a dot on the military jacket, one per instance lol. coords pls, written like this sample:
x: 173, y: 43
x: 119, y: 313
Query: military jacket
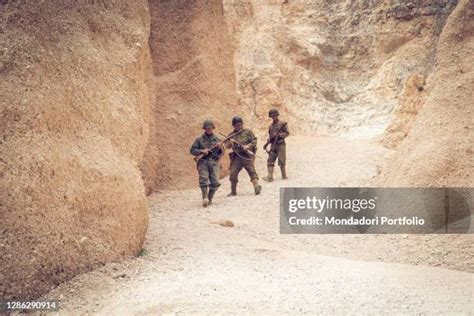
x: 244, y: 138
x: 278, y: 127
x: 205, y: 141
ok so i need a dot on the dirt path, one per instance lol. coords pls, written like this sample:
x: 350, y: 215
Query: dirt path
x: 194, y: 265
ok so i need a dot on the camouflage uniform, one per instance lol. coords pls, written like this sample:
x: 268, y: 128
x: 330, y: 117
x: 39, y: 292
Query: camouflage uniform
x: 279, y: 149
x: 208, y: 166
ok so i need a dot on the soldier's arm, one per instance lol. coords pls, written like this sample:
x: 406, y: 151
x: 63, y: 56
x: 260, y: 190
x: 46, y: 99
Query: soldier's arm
x: 284, y: 131
x: 196, y: 148
x: 219, y: 149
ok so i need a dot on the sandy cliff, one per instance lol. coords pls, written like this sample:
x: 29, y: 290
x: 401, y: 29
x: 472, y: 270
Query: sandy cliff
x: 438, y: 150
x: 73, y: 121
x: 193, y: 79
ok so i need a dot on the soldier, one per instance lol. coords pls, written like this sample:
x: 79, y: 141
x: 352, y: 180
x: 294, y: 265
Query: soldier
x: 277, y: 132
x: 207, y: 150
x: 244, y: 146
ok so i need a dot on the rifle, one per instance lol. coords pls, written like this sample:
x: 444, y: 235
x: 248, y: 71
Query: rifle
x: 200, y: 156
x: 273, y: 140
x: 248, y: 152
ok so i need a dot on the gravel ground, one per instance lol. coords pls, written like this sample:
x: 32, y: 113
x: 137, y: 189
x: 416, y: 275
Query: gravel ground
x: 192, y: 264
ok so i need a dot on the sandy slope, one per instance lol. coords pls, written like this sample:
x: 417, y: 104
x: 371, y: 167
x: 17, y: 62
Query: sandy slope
x: 193, y: 265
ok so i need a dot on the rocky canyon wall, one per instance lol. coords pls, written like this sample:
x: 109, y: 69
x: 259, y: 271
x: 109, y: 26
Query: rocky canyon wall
x: 74, y: 117
x: 438, y: 150
x: 193, y: 79
x: 335, y: 67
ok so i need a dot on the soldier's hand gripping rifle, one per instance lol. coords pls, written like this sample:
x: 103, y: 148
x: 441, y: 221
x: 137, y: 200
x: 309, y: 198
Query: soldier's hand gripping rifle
x: 273, y: 139
x: 247, y: 151
x: 210, y: 149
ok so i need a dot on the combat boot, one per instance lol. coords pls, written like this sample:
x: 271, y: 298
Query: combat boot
x: 233, y: 188
x: 205, y: 201
x: 211, y: 195
x: 269, y: 178
x: 257, y: 187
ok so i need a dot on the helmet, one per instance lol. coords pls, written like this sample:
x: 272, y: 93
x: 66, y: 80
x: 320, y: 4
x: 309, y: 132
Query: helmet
x: 208, y: 124
x: 273, y: 112
x: 236, y: 120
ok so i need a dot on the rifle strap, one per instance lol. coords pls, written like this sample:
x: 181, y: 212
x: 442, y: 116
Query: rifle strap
x: 237, y: 153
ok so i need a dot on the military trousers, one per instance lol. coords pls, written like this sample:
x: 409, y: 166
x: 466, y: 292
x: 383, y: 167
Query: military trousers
x: 208, y: 170
x: 238, y: 163
x: 277, y: 151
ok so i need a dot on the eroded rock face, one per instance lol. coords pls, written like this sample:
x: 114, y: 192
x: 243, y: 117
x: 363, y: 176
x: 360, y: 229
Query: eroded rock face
x: 410, y: 102
x: 438, y: 150
x: 73, y: 121
x: 333, y: 67
x: 193, y: 79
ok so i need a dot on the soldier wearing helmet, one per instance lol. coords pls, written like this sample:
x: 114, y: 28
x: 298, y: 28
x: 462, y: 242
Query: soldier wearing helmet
x: 244, y: 147
x: 277, y: 132
x: 208, y: 150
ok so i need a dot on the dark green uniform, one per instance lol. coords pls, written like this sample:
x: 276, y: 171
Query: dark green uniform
x: 208, y: 166
x: 240, y: 159
x: 278, y: 150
